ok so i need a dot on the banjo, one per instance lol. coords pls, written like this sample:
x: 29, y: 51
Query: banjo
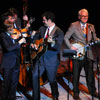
x: 81, y: 48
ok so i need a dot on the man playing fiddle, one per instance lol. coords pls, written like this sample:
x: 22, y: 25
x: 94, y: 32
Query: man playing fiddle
x: 10, y: 62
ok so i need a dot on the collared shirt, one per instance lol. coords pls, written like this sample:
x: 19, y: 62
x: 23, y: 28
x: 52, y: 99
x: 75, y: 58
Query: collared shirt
x: 83, y: 25
x: 8, y: 33
x: 50, y: 30
x: 15, y: 25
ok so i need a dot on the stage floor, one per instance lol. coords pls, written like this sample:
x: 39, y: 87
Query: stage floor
x: 63, y: 85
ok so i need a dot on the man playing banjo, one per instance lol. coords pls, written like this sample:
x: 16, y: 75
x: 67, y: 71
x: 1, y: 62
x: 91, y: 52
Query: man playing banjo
x: 82, y: 33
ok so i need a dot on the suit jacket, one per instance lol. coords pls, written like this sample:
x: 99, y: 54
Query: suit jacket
x: 76, y: 33
x: 11, y: 51
x: 51, y: 56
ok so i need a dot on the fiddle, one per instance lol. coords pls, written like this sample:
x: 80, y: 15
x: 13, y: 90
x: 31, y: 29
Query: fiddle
x: 23, y: 32
x: 16, y: 34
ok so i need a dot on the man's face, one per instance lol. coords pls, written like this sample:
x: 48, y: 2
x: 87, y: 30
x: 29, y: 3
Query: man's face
x: 45, y: 21
x: 11, y: 19
x: 83, y: 17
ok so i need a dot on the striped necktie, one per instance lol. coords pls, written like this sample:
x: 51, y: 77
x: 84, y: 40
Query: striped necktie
x: 84, y: 29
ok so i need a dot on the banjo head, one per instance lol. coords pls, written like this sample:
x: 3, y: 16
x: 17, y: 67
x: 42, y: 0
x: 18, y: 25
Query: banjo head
x: 80, y: 49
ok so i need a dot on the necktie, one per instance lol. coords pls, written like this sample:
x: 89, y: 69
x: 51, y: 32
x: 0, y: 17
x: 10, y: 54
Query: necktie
x: 84, y: 29
x: 47, y: 35
x: 85, y: 32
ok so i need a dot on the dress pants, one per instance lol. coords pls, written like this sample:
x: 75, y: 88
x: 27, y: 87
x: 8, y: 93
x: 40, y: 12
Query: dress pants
x: 51, y: 75
x: 9, y: 85
x: 88, y: 68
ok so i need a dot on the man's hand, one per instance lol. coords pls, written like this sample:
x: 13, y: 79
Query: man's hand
x: 23, y: 40
x: 73, y: 48
x: 25, y: 17
x: 34, y: 46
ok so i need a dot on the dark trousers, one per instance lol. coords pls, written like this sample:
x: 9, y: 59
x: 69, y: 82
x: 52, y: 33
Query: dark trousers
x: 88, y: 67
x: 9, y: 84
x: 51, y: 74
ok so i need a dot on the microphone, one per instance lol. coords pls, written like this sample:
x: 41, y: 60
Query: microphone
x: 91, y: 30
x: 90, y: 27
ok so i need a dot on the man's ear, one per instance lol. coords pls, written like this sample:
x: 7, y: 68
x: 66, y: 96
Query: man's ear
x: 79, y: 17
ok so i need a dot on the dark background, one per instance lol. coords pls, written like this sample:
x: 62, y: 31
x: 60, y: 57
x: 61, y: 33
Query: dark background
x: 65, y: 11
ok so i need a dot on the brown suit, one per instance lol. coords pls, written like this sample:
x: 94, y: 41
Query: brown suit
x: 76, y: 33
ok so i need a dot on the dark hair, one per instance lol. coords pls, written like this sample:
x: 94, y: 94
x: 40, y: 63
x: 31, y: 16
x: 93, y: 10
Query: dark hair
x: 3, y: 18
x: 49, y: 15
x: 13, y: 11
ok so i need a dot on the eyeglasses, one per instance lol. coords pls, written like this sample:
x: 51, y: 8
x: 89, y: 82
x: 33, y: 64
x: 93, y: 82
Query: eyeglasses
x: 84, y: 16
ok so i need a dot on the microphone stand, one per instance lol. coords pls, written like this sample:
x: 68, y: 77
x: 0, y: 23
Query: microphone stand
x: 69, y: 54
x: 97, y: 62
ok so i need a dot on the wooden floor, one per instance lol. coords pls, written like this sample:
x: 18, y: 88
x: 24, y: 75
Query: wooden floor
x: 65, y: 86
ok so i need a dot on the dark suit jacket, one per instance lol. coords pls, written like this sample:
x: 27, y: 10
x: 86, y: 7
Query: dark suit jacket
x: 51, y: 56
x: 11, y: 51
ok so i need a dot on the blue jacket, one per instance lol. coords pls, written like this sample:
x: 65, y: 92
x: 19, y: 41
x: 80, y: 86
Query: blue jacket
x: 11, y: 51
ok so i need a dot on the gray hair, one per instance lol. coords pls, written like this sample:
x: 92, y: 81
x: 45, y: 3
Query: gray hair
x: 82, y: 10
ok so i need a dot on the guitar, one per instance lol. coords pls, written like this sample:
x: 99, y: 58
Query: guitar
x: 42, y: 46
x: 81, y: 48
x: 35, y: 52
